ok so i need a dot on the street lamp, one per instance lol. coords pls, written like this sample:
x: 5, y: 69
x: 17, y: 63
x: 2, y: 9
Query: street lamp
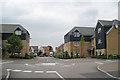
x: 29, y: 51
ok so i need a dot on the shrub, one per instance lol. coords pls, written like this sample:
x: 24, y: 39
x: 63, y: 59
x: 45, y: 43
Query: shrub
x: 105, y: 57
x: 66, y: 55
x: 59, y: 55
x: 31, y: 56
x: 83, y: 56
x: 71, y: 54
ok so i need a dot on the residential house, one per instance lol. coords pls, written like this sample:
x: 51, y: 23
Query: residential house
x: 45, y: 50
x: 92, y: 48
x: 60, y: 49
x: 34, y: 50
x: 106, y: 34
x: 72, y: 40
x: 8, y: 30
x: 31, y: 50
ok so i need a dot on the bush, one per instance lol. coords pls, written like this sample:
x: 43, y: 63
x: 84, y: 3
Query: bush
x: 83, y: 56
x: 31, y: 56
x: 66, y: 55
x: 28, y: 56
x: 59, y: 55
x: 71, y: 54
x: 105, y: 57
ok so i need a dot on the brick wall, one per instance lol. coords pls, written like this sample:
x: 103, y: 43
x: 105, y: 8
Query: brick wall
x: 69, y: 47
x: 24, y: 50
x: 112, y: 41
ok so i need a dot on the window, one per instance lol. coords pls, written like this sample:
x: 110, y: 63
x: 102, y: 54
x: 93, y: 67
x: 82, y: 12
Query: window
x: 92, y: 43
x: 100, y: 52
x: 99, y: 30
x: 18, y: 32
x: 76, y: 43
x: 99, y: 41
x: 76, y: 34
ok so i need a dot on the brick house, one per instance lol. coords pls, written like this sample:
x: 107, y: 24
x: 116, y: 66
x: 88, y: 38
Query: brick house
x: 45, y: 50
x: 72, y: 40
x: 106, y: 34
x: 33, y: 50
x: 8, y: 30
x: 92, y: 48
x: 60, y: 48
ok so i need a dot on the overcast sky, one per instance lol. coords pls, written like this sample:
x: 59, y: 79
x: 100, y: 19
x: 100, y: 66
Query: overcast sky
x: 49, y: 20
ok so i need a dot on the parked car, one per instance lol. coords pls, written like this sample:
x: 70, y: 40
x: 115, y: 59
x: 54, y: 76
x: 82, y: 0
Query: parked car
x: 54, y: 55
x: 41, y: 55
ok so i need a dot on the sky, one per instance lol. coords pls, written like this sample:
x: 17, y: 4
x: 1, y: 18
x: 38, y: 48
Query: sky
x: 49, y: 20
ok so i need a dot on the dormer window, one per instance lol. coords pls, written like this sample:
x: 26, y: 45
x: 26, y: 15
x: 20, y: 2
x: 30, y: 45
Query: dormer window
x: 76, y: 33
x: 99, y: 30
x: 18, y: 31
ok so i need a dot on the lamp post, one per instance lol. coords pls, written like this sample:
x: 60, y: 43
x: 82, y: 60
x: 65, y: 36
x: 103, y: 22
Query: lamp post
x: 107, y: 47
x: 29, y: 46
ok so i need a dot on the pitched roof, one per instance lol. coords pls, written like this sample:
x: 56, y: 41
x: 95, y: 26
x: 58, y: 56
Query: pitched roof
x: 9, y: 28
x: 93, y: 36
x: 34, y: 47
x: 45, y: 48
x: 109, y: 23
x: 83, y: 30
x: 114, y: 23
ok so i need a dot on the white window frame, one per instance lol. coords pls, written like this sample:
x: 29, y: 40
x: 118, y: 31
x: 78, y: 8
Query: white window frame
x: 76, y: 34
x: 99, y: 41
x: 76, y: 43
x: 99, y: 30
x: 18, y: 32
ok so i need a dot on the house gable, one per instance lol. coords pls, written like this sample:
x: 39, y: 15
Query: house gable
x: 100, y: 36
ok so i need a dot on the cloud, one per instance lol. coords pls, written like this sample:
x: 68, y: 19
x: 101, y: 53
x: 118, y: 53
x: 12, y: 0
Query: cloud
x: 48, y: 21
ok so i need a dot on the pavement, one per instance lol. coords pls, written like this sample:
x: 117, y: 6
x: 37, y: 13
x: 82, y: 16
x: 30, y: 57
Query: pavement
x: 111, y: 68
x: 4, y: 73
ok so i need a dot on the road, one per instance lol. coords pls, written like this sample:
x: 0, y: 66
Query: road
x: 49, y: 67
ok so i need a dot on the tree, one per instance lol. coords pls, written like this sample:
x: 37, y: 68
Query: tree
x: 14, y: 44
x: 77, y: 54
x: 50, y: 48
x: 82, y: 44
x: 40, y: 52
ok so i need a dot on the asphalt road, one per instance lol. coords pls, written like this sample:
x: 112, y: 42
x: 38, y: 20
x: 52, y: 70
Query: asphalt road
x: 49, y: 67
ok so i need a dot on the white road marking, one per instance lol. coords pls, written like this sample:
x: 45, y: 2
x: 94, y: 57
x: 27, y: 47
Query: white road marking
x: 16, y: 70
x: 38, y: 71
x: 27, y: 71
x: 98, y: 62
x: 50, y: 71
x: 105, y: 72
x: 59, y: 75
x: 50, y: 64
x: 56, y: 73
x: 6, y: 62
x: 26, y: 64
x: 9, y: 69
x: 8, y: 75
